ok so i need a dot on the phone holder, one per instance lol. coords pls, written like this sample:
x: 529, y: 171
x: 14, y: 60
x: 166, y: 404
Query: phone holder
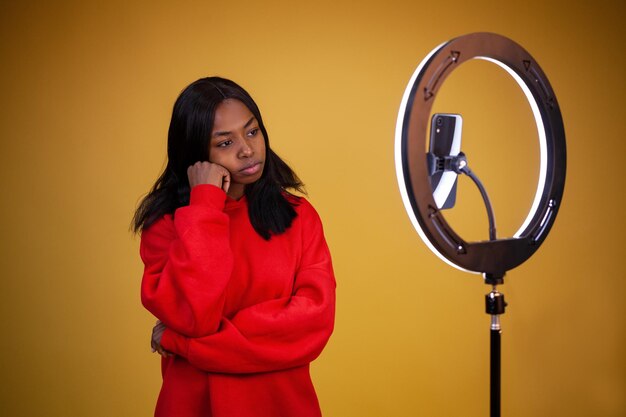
x: 445, y: 163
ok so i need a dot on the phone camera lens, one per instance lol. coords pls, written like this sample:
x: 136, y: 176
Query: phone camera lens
x: 439, y: 121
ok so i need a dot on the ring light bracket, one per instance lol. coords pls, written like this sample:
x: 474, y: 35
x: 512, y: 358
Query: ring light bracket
x: 492, y: 258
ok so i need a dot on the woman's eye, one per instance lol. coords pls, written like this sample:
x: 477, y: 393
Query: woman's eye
x: 224, y: 143
x: 253, y: 132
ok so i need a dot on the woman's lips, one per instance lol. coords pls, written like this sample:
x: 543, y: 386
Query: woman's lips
x: 251, y: 169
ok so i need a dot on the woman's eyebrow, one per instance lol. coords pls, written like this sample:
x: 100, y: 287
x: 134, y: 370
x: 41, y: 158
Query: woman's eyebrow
x: 249, y: 122
x: 226, y: 133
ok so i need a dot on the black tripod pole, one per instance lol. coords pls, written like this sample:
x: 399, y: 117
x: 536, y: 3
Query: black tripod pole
x: 495, y: 305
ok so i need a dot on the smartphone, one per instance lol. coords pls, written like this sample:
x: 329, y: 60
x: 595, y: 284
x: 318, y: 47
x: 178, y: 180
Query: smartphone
x: 445, y: 141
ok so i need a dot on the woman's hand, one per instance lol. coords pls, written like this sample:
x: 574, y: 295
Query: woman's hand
x: 155, y: 341
x: 208, y: 173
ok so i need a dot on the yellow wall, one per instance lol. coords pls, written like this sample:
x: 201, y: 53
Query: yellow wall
x: 86, y: 92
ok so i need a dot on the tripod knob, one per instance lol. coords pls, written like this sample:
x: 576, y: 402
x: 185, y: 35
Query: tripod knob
x: 494, y: 303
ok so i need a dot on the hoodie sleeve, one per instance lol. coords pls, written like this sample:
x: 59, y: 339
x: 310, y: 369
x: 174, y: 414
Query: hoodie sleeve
x: 188, y: 263
x: 275, y: 334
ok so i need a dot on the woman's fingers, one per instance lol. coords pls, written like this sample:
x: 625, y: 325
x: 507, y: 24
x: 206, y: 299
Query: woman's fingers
x: 153, y: 343
x: 208, y: 173
x: 155, y: 340
x: 226, y: 181
x: 163, y: 352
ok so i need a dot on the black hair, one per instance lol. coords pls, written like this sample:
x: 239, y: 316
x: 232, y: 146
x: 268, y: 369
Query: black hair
x: 270, y: 210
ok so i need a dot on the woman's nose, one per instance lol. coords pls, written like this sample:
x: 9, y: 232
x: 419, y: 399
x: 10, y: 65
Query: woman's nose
x: 245, y: 151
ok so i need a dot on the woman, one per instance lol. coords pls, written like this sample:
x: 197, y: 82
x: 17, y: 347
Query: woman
x: 237, y: 269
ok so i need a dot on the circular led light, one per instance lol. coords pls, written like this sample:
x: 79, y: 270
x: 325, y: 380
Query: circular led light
x: 494, y: 256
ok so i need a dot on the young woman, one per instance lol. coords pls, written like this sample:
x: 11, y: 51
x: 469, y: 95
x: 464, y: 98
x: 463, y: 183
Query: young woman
x: 237, y: 269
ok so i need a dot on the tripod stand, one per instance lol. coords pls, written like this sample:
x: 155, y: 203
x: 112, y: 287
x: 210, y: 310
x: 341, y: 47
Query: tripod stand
x: 494, y: 301
x: 495, y: 305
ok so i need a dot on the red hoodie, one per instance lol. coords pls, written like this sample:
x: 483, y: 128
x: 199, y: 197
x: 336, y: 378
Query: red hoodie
x: 244, y: 316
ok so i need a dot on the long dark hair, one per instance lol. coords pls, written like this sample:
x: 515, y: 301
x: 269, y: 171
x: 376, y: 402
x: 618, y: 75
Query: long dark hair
x: 188, y: 142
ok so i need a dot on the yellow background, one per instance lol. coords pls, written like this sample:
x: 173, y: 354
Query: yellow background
x: 86, y: 93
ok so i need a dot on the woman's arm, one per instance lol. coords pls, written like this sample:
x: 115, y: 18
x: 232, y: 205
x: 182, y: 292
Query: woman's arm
x: 276, y: 334
x: 188, y: 264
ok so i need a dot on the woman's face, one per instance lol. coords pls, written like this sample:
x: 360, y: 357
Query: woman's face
x: 237, y: 144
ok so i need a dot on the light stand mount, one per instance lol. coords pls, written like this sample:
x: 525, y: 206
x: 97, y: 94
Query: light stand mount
x: 494, y: 257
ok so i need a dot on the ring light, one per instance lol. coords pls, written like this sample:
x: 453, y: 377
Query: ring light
x: 493, y: 257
